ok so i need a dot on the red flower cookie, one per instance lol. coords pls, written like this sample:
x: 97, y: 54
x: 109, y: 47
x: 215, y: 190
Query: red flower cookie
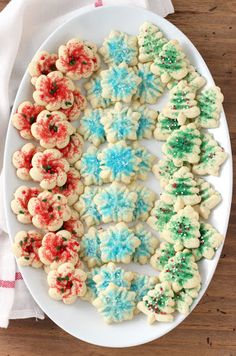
x: 24, y: 117
x: 42, y: 63
x: 49, y: 168
x: 19, y: 204
x: 74, y: 225
x: 67, y: 283
x: 58, y: 248
x: 76, y: 60
x: 49, y: 211
x: 72, y: 188
x: 22, y: 158
x: 73, y: 151
x: 52, y: 129
x: 74, y: 111
x: 54, y: 91
x: 26, y: 246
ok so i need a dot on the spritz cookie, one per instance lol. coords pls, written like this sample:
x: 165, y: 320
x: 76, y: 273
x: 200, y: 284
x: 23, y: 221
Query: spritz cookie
x: 144, y: 202
x: 54, y: 91
x: 90, y: 167
x: 118, y: 244
x: 91, y: 127
x: 210, y: 104
x: 171, y: 62
x: 181, y: 190
x: 158, y: 304
x: 147, y: 247
x: 111, y: 273
x: 181, y: 271
x: 72, y: 188
x: 26, y: 114
x: 162, y: 255
x: 52, y: 129
x: 42, y: 63
x: 146, y: 122
x: 183, y: 229
x: 49, y: 169
x: 120, y: 123
x: 141, y: 285
x: 165, y: 126
x: 151, y: 86
x: 66, y: 283
x: 74, y: 225
x: 87, y: 208
x: 19, y: 204
x: 80, y: 103
x: 212, y: 156
x: 150, y: 41
x: 164, y: 170
x: 119, y: 162
x: 22, y: 158
x: 193, y: 78
x: 160, y: 215
x: 146, y: 161
x: 49, y: 211
x: 91, y: 289
x: 116, y: 203
x: 90, y: 248
x: 58, y: 248
x: 76, y: 59
x: 94, y: 93
x: 26, y: 246
x: 73, y: 150
x: 119, y: 48
x: 182, y: 104
x: 184, y: 299
x: 210, y: 240
x: 183, y: 145
x: 115, y: 304
x: 210, y: 198
x: 119, y: 83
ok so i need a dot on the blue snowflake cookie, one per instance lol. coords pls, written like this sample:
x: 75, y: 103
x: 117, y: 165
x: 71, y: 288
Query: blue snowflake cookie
x: 118, y: 162
x: 146, y: 161
x: 141, y: 285
x: 118, y: 244
x: 120, y: 48
x: 91, y: 292
x: 91, y: 127
x: 116, y: 203
x: 115, y: 304
x: 90, y: 167
x: 119, y: 83
x: 146, y: 122
x: 144, y: 202
x: 121, y: 123
x: 90, y: 248
x: 87, y: 207
x: 94, y: 93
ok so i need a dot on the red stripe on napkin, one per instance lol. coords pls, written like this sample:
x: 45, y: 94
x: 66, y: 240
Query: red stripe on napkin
x: 98, y: 3
x: 10, y: 284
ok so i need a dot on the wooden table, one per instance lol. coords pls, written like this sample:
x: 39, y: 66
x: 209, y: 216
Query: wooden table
x: 210, y: 329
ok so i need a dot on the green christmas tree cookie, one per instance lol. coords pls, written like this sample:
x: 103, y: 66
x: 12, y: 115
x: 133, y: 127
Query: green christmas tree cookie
x: 160, y: 215
x: 164, y: 170
x: 182, y: 104
x: 183, y: 145
x: 193, y: 78
x: 210, y: 198
x: 183, y: 229
x: 164, y: 127
x: 158, y: 303
x: 212, y: 156
x: 181, y: 271
x: 162, y: 255
x: 181, y: 190
x: 171, y: 62
x: 150, y: 41
x: 210, y: 240
x: 210, y: 104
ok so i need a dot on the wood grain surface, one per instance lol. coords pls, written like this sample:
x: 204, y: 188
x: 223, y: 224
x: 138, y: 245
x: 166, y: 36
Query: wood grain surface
x: 210, y: 329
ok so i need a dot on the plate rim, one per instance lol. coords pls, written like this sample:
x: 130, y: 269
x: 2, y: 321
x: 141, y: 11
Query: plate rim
x: 79, y: 12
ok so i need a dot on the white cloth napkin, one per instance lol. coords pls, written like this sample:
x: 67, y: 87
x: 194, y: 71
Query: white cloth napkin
x: 24, y: 25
